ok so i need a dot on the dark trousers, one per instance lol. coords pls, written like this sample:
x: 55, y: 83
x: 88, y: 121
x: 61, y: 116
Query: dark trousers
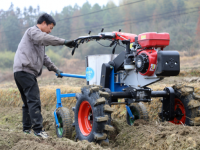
x: 29, y: 90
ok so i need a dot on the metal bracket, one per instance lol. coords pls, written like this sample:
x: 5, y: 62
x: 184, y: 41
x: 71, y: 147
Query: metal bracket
x: 168, y: 105
x: 129, y: 112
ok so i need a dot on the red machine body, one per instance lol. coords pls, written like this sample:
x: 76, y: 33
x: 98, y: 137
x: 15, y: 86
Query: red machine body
x: 125, y: 35
x: 153, y: 39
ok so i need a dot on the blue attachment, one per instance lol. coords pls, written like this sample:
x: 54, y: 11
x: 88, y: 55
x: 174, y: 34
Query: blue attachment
x: 72, y: 75
x: 59, y: 103
x: 129, y: 112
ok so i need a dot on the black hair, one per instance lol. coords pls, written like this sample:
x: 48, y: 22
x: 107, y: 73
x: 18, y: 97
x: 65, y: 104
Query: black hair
x: 47, y: 18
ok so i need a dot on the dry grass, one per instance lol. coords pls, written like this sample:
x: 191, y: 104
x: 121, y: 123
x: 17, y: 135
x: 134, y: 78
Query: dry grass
x: 11, y: 96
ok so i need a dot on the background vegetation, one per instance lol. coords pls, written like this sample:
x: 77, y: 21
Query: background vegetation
x: 180, y: 18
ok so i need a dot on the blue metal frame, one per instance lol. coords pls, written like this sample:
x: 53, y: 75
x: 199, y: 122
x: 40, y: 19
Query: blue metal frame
x: 59, y: 95
x: 116, y: 87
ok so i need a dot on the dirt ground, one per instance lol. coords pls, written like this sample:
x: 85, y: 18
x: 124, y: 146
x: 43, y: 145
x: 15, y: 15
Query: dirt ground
x: 142, y: 135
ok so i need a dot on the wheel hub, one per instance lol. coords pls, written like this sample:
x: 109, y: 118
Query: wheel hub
x: 85, y: 118
x: 180, y: 114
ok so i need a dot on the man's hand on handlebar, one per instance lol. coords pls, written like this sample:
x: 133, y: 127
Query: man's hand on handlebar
x: 70, y: 43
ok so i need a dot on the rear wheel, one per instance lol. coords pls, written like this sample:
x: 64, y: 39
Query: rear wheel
x: 139, y: 112
x: 186, y: 106
x: 65, y: 121
x: 93, y: 115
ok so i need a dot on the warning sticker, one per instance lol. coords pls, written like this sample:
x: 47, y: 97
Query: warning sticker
x: 153, y: 67
x: 143, y: 37
x: 131, y: 45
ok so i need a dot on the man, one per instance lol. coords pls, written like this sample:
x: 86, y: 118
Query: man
x: 28, y: 62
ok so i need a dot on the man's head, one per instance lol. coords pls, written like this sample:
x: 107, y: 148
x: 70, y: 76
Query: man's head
x: 46, y: 23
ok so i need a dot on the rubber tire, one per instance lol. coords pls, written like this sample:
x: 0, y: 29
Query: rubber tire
x: 91, y: 96
x: 191, y: 112
x: 140, y: 110
x: 64, y: 113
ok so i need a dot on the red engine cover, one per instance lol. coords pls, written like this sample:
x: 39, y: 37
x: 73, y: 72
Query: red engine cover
x: 152, y: 57
x: 153, y: 39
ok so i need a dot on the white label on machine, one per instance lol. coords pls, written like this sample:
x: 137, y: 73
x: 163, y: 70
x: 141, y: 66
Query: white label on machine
x: 153, y: 67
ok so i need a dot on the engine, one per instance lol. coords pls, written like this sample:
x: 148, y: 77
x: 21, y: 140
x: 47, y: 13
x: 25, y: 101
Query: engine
x: 151, y: 58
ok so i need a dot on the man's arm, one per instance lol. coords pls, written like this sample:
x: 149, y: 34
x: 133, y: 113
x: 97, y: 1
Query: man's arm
x: 41, y: 38
x: 50, y: 65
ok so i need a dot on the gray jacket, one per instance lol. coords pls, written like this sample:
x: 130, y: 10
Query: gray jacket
x: 30, y: 55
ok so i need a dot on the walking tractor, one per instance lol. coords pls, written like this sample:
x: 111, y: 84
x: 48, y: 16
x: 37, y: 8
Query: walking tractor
x: 125, y: 75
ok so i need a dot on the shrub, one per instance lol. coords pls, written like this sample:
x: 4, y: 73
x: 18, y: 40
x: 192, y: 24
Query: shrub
x: 6, y: 59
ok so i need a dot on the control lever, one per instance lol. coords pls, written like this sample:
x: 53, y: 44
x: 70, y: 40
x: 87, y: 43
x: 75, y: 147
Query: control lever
x: 74, y: 49
x: 112, y: 43
x: 113, y: 51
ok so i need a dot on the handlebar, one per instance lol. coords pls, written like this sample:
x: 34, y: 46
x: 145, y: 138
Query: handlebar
x: 114, y: 36
x: 72, y: 75
x: 82, y: 39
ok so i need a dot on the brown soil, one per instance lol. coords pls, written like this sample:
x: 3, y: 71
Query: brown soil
x: 142, y: 135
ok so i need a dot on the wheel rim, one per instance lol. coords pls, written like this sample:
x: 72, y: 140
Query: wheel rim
x: 135, y: 114
x: 60, y: 129
x: 180, y: 115
x: 85, y: 118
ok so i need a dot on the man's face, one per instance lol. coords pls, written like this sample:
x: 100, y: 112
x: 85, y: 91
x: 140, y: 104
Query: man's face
x: 47, y: 28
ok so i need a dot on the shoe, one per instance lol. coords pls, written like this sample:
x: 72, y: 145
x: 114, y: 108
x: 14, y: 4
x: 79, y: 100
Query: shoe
x: 27, y: 131
x: 41, y: 134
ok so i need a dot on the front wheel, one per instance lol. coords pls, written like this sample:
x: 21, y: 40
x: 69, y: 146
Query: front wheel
x: 139, y: 112
x: 65, y: 121
x: 92, y: 115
